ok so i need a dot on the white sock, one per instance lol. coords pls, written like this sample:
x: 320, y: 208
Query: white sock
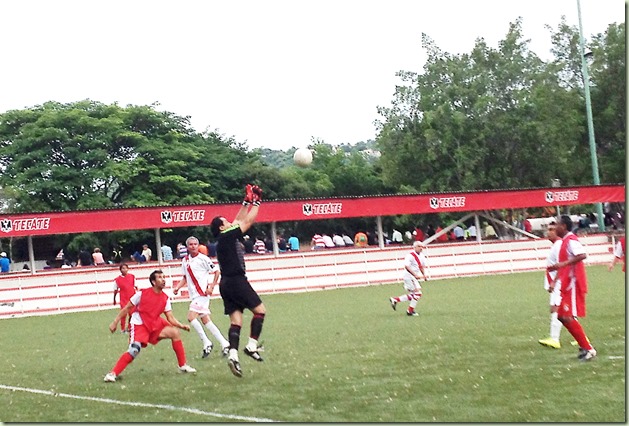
x: 233, y: 354
x: 413, y: 301
x: 217, y: 333
x: 555, y: 326
x: 199, y: 329
x: 404, y: 298
x: 252, y: 345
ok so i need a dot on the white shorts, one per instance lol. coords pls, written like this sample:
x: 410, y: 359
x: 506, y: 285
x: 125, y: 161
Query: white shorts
x: 555, y: 296
x: 201, y: 305
x: 411, y: 284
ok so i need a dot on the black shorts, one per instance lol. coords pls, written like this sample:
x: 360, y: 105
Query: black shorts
x: 238, y: 294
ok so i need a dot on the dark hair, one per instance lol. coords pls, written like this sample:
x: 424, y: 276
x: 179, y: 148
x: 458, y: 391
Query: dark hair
x: 123, y: 264
x: 215, y: 226
x: 565, y: 219
x: 153, y: 274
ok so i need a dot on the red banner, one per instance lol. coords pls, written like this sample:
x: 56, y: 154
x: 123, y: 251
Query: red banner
x: 306, y: 209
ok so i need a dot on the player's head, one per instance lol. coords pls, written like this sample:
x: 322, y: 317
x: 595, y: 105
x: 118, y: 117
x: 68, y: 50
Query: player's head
x: 552, y: 231
x: 217, y: 225
x: 564, y: 226
x: 192, y: 243
x: 157, y: 278
x: 124, y: 268
x: 418, y: 246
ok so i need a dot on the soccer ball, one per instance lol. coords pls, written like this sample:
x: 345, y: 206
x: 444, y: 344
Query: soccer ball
x: 302, y: 157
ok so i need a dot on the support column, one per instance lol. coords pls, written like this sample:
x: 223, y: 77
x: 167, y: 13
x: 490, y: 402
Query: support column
x: 276, y: 250
x: 158, y: 242
x: 478, y: 228
x: 380, y: 236
x: 31, y: 253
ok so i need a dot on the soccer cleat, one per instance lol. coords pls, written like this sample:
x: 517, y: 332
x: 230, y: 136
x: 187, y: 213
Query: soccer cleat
x: 253, y: 353
x: 225, y: 351
x: 588, y: 355
x: 234, y: 366
x: 187, y: 369
x: 393, y: 303
x: 412, y: 314
x: 207, y: 350
x: 550, y: 342
x: 110, y: 377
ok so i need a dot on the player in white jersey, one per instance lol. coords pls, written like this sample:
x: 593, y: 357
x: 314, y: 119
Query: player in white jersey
x: 555, y: 294
x: 197, y: 270
x: 414, y: 265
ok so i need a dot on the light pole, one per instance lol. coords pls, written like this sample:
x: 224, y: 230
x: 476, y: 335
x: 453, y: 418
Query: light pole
x: 588, y: 110
x: 556, y: 183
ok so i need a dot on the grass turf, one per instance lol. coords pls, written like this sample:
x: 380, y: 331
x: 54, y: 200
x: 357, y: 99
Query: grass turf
x: 340, y: 356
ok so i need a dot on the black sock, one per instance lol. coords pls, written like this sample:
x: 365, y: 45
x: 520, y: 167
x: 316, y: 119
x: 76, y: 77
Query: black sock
x: 256, y: 325
x: 234, y: 336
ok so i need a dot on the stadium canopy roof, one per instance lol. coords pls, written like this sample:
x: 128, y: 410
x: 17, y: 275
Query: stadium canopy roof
x: 159, y: 217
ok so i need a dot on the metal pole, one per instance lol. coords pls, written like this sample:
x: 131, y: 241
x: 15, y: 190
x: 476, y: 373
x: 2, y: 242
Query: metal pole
x: 158, y: 249
x: 588, y: 108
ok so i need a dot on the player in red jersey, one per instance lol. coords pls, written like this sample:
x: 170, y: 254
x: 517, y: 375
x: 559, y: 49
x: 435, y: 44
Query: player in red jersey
x: 572, y: 280
x: 125, y: 285
x: 148, y: 326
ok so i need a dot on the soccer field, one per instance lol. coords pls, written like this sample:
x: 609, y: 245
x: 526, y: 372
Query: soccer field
x: 338, y: 356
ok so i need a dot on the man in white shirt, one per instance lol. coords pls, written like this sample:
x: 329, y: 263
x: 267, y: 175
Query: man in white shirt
x: 414, y: 265
x: 555, y: 295
x: 338, y: 240
x: 197, y: 269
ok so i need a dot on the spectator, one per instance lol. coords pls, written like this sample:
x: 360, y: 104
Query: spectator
x: 5, y: 263
x: 347, y: 240
x: 211, y: 247
x: 167, y: 252
x: 418, y: 233
x: 182, y: 250
x: 317, y: 242
x: 66, y: 264
x: 396, y: 237
x: 408, y: 237
x: 338, y: 240
x: 259, y: 246
x: 85, y: 258
x: 430, y: 231
x: 327, y: 240
x: 459, y: 233
x: 248, y: 244
x: 371, y: 239
x: 443, y: 238
x: 472, y: 232
x: 268, y: 244
x: 97, y: 256
x: 117, y: 253
x: 204, y: 250
x: 490, y: 232
x: 145, y: 256
x: 293, y: 243
x: 281, y: 244
x: 360, y: 239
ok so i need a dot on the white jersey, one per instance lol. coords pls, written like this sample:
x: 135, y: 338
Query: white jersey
x: 199, y: 272
x: 618, y: 250
x: 552, y: 259
x: 413, y: 260
x: 136, y: 299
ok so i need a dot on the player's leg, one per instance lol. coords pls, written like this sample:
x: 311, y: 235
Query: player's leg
x: 414, y: 294
x: 253, y: 347
x: 138, y: 338
x: 572, y: 305
x: 172, y: 333
x: 555, y: 325
x: 198, y: 327
x: 235, y: 319
x: 209, y: 324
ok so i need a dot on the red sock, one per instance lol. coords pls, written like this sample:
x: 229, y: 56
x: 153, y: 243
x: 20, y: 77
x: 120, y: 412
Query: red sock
x: 122, y: 363
x: 574, y: 327
x: 180, y: 352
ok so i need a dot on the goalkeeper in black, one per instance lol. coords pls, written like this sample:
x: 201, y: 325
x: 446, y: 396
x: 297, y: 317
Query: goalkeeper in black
x: 235, y: 289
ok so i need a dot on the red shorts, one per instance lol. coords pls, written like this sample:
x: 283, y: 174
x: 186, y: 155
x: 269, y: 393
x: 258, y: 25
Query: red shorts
x: 140, y: 333
x: 572, y: 303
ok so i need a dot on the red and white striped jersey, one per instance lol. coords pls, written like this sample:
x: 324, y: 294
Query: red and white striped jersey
x: 199, y: 272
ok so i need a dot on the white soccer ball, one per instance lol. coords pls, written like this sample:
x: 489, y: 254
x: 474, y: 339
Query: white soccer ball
x: 303, y: 157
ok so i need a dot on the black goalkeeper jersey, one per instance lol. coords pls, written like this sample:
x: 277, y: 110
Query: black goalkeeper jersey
x: 230, y: 252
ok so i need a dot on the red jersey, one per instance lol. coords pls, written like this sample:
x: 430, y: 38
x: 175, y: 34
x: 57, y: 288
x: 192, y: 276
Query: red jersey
x: 152, y: 305
x: 126, y: 286
x: 577, y: 270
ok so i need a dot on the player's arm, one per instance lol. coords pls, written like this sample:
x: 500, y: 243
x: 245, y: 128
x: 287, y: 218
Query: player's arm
x: 217, y: 274
x: 122, y: 314
x: 575, y: 259
x: 248, y: 213
x: 174, y: 322
x: 421, y: 269
x: 115, y: 293
x: 182, y: 282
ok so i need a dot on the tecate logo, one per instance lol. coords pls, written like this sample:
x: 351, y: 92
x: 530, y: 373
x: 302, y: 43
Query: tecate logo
x: 34, y: 224
x: 446, y: 202
x: 558, y: 196
x: 322, y: 209
x: 168, y: 216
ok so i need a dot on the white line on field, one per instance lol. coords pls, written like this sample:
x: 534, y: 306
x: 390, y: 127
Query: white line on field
x: 616, y: 357
x: 140, y: 404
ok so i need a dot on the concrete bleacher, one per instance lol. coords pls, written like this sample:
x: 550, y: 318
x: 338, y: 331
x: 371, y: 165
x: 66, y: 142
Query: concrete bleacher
x: 91, y: 288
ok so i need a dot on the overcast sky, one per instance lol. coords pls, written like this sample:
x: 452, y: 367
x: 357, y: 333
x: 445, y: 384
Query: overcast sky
x: 270, y: 73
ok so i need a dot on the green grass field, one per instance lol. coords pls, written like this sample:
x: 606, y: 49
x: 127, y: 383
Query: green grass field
x: 338, y: 356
